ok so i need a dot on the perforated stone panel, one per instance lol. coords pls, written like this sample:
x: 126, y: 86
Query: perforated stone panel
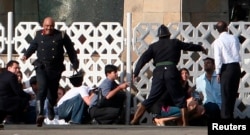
x: 104, y: 44
x: 2, y: 44
x: 204, y: 34
x: 97, y: 47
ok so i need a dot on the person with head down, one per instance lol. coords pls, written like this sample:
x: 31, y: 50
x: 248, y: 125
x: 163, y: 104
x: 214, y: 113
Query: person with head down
x: 73, y: 105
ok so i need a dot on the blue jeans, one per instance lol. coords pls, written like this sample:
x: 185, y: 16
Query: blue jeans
x: 72, y: 110
x: 172, y: 111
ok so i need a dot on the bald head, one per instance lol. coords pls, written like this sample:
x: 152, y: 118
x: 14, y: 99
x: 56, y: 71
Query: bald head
x: 221, y: 26
x: 48, y: 25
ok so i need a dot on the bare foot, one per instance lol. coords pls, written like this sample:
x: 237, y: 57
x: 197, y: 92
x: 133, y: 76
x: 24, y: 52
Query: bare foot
x: 159, y: 122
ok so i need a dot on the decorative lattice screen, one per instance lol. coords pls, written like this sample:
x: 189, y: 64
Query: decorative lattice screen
x: 104, y: 44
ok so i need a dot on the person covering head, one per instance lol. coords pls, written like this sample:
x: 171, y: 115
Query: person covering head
x: 77, y: 79
x: 163, y: 31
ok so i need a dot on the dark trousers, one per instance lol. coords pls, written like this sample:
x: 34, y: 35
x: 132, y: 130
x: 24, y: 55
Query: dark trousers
x: 14, y: 109
x: 30, y: 115
x: 48, y: 82
x: 166, y: 78
x: 230, y: 79
x: 3, y: 114
x: 212, y: 110
x: 105, y: 115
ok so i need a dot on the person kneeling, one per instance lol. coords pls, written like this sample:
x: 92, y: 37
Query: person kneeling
x: 108, y: 105
x: 72, y: 106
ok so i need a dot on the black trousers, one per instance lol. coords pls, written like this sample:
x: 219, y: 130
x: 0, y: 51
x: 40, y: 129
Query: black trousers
x: 3, y: 114
x: 105, y: 115
x: 230, y: 79
x: 48, y: 82
x: 212, y: 111
x: 166, y: 78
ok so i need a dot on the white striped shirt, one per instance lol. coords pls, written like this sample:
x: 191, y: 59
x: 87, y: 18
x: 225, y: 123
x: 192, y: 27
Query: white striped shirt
x: 226, y: 50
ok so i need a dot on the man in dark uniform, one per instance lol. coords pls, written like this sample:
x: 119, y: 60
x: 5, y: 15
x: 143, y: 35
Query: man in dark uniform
x: 13, y: 100
x: 166, y: 54
x: 49, y: 44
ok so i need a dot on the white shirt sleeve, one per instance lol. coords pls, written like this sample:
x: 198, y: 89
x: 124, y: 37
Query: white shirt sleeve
x: 84, y: 92
x: 217, y: 55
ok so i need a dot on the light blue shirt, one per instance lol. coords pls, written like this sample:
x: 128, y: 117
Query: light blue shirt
x: 226, y: 50
x: 210, y: 89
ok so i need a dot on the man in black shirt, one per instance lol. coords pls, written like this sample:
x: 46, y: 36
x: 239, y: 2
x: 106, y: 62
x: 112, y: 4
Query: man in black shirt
x: 13, y: 100
x: 49, y: 44
x: 166, y: 54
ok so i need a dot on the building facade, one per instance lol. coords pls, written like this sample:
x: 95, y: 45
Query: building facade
x: 157, y: 11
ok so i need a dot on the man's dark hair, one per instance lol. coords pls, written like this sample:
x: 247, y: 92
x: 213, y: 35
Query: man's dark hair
x: 110, y: 68
x: 33, y: 80
x: 221, y: 26
x: 211, y: 59
x: 11, y: 63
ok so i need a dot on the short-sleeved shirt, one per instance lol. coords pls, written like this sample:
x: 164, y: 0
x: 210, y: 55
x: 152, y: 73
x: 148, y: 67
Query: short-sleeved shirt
x: 82, y: 90
x: 106, y: 86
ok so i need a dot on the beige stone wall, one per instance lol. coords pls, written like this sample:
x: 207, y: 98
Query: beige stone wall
x: 152, y: 11
x: 166, y: 11
x: 155, y: 11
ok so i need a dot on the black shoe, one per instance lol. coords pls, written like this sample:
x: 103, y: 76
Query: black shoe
x: 2, y: 126
x: 94, y: 122
x: 73, y: 123
x: 39, y: 121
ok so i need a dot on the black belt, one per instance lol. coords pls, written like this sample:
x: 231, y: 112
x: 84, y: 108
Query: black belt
x: 164, y: 63
x: 233, y: 63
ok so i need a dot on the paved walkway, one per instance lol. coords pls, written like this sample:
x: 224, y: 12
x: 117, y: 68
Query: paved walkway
x: 102, y: 130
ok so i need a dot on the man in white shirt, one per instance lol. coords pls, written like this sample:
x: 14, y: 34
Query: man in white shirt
x: 72, y: 105
x: 227, y: 67
x: 210, y: 89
